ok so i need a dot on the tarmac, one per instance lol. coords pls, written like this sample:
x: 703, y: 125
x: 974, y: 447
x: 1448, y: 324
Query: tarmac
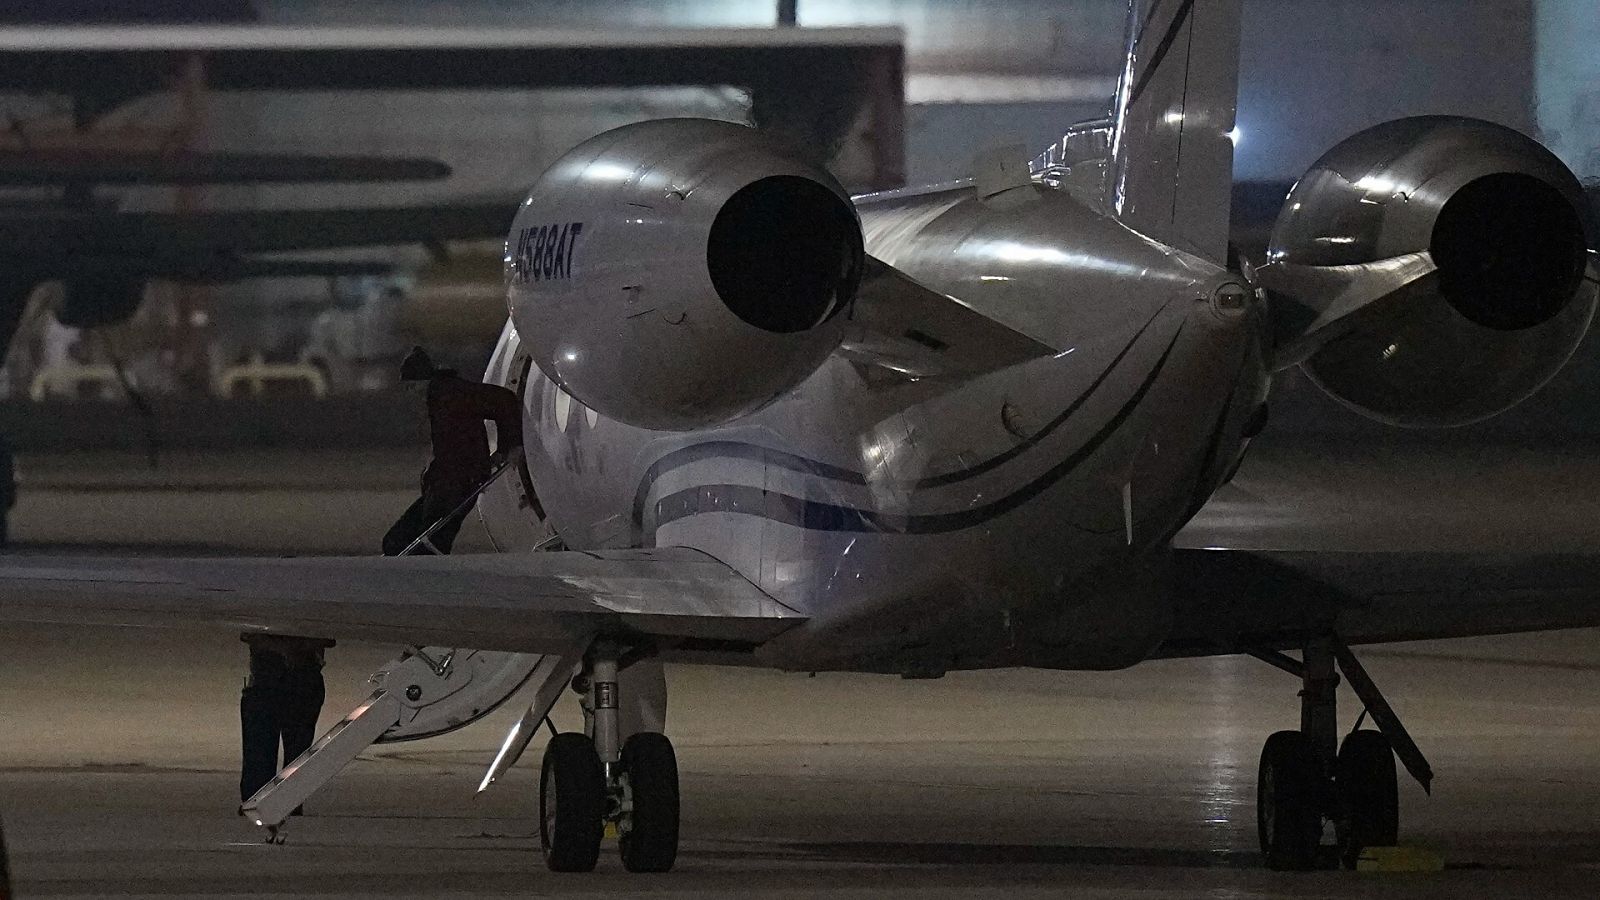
x: 118, y: 748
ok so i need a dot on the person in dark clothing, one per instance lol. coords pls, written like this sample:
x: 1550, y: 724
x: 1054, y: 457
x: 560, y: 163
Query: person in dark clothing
x: 457, y: 409
x: 5, y: 868
x: 8, y: 488
x: 280, y: 704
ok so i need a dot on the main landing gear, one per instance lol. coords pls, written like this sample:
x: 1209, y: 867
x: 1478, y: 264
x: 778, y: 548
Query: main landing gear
x: 1309, y: 778
x: 591, y: 781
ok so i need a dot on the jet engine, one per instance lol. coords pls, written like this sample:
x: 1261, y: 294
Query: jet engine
x: 1431, y: 271
x: 681, y: 273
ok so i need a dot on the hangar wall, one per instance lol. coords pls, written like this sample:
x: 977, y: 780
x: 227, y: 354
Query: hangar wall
x: 978, y: 75
x: 1567, y: 81
x: 1317, y: 71
x: 1009, y: 71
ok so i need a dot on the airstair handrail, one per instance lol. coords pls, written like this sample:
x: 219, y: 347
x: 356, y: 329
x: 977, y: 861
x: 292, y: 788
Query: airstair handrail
x: 461, y: 509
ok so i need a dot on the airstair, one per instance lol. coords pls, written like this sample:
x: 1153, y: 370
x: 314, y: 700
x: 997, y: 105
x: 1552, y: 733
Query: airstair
x: 423, y: 693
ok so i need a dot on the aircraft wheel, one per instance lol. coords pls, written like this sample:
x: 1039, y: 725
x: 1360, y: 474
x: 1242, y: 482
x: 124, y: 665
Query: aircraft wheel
x: 1369, y: 794
x: 650, y: 843
x: 572, y: 803
x: 1288, y: 807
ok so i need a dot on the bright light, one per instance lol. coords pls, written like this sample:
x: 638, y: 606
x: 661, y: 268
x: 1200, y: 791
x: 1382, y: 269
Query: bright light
x: 1235, y: 135
x: 1372, y: 184
x: 607, y: 172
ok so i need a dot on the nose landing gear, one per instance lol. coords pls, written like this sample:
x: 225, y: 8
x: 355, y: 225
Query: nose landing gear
x: 1308, y: 778
x: 590, y: 782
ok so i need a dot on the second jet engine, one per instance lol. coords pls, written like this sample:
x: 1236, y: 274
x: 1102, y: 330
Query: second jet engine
x: 1431, y: 271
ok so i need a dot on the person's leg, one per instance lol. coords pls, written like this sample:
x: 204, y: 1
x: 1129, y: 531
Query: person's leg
x: 302, y: 705
x: 411, y: 523
x: 5, y: 868
x: 440, y: 501
x: 258, y: 731
x: 8, y: 488
x: 445, y: 537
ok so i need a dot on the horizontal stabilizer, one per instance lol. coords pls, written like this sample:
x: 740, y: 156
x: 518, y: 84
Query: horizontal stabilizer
x: 899, y: 325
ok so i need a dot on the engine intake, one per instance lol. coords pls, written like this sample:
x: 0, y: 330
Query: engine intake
x: 1445, y: 260
x: 681, y: 273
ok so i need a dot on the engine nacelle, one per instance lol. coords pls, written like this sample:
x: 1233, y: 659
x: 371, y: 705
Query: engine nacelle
x: 1494, y: 230
x: 681, y: 273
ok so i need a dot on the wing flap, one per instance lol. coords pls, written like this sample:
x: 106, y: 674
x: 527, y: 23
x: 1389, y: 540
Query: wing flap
x: 534, y: 603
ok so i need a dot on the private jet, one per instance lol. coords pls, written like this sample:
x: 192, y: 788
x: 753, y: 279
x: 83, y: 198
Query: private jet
x: 768, y: 424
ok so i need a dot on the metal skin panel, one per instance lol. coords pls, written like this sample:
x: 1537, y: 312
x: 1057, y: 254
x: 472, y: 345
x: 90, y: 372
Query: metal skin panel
x: 939, y: 523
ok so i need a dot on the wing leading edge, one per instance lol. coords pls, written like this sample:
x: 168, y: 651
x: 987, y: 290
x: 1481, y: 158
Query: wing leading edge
x: 534, y: 603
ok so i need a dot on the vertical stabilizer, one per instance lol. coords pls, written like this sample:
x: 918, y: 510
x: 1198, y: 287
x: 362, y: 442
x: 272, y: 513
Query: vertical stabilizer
x: 1172, y: 150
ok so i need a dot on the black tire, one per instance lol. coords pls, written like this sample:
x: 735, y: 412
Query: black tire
x: 1369, y: 794
x: 572, y: 803
x: 650, y: 843
x: 1289, y: 803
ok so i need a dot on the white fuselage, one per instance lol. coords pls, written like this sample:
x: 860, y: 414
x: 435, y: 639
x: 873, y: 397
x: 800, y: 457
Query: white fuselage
x: 1020, y: 517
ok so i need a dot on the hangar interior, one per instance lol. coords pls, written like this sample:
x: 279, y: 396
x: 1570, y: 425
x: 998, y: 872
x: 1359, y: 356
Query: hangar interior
x: 977, y: 76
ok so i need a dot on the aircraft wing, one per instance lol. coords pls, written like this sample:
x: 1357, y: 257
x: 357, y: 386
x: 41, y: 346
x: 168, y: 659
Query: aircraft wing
x: 212, y: 245
x: 819, y: 87
x: 1237, y: 600
x: 533, y: 602
x: 1381, y: 551
x: 63, y: 165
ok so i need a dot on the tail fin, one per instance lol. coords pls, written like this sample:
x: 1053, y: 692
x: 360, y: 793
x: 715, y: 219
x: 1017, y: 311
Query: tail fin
x: 1172, y: 150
